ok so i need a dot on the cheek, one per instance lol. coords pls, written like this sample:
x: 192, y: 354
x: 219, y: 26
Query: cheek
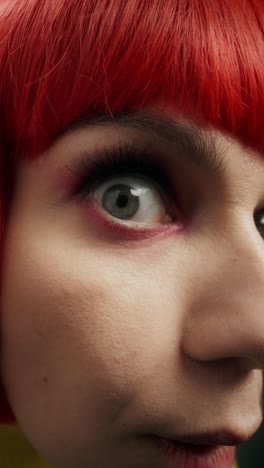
x: 79, y: 329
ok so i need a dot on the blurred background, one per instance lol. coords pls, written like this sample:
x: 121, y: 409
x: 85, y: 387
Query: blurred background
x: 251, y: 454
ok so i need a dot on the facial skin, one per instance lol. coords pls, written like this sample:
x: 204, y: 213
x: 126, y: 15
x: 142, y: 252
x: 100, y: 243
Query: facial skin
x: 107, y: 337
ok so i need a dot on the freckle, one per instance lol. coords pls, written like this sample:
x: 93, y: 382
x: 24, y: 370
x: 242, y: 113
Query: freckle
x: 45, y: 379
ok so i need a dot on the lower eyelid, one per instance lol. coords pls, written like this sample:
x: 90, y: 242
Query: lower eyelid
x: 123, y: 229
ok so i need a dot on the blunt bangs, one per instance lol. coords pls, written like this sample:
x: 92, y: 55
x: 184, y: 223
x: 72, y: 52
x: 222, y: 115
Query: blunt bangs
x: 65, y: 60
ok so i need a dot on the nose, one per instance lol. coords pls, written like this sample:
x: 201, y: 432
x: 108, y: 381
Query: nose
x: 225, y: 318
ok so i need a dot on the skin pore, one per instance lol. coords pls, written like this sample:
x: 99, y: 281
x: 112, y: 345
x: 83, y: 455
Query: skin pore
x: 114, y: 329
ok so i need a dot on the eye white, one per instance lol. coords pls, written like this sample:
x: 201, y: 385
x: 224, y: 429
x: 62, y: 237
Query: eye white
x: 141, y: 197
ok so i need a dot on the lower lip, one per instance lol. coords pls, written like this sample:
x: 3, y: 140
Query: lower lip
x: 195, y: 456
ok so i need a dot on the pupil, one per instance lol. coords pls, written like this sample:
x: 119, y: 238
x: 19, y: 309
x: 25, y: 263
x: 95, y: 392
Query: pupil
x: 122, y: 201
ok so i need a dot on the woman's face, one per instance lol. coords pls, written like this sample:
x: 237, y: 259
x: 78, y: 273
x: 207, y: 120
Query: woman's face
x: 132, y: 303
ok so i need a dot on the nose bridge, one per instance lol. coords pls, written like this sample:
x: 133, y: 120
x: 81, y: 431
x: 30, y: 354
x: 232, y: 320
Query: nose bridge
x: 242, y: 266
x: 226, y: 317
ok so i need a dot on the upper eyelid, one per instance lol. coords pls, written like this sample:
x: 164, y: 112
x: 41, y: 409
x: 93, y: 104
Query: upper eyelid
x: 118, y: 158
x: 195, y: 145
x: 76, y: 172
x: 173, y: 154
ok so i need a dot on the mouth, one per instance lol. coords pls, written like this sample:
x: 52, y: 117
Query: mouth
x: 179, y: 455
x: 214, y: 450
x: 217, y: 438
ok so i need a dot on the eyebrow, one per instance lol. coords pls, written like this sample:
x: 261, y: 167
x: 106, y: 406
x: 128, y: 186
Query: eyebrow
x: 196, y: 144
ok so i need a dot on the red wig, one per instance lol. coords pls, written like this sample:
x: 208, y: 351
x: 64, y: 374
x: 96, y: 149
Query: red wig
x: 68, y: 59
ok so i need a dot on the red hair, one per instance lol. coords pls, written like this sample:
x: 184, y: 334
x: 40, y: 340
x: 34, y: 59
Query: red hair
x: 67, y: 59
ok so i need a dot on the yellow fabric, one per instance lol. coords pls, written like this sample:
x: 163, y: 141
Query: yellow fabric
x: 16, y: 451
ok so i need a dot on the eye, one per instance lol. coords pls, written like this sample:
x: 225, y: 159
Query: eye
x: 259, y: 221
x: 133, y: 198
x: 130, y: 185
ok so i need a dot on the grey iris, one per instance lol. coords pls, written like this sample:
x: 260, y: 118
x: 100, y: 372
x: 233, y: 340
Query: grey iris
x: 120, y: 202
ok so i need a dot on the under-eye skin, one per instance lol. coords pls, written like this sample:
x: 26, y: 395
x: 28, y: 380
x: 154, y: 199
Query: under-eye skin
x: 128, y: 185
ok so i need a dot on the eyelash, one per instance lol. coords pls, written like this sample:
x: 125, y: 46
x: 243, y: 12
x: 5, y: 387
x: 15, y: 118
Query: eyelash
x: 121, y: 159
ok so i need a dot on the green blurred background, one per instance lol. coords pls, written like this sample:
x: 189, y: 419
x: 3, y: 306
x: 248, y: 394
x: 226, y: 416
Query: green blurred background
x: 251, y: 454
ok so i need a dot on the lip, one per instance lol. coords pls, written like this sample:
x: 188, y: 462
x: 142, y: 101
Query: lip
x: 205, y: 450
x: 186, y: 455
x: 216, y: 438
